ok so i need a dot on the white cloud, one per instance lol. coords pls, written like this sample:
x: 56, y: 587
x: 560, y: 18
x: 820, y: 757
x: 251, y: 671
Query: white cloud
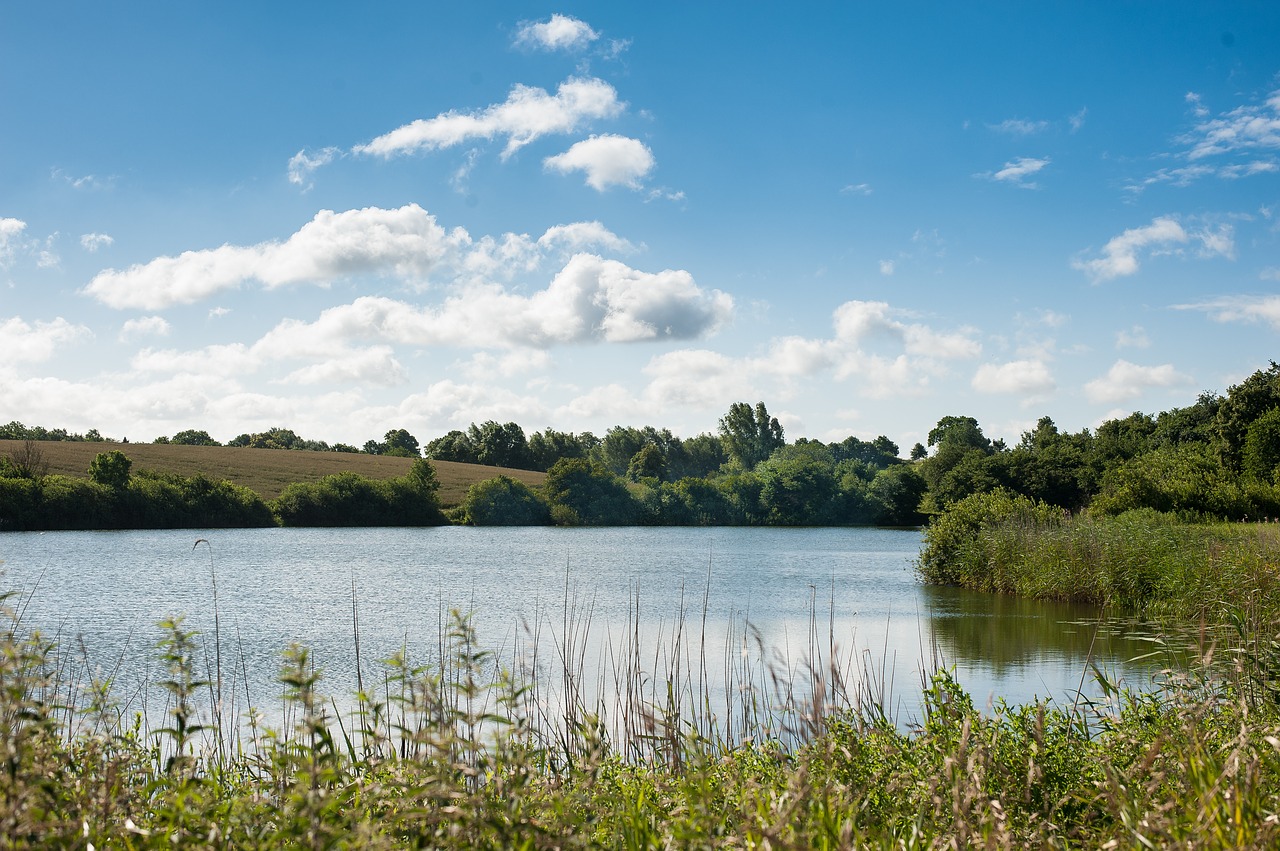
x: 91, y: 242
x: 303, y: 164
x: 1133, y: 338
x: 11, y: 231
x: 484, y: 366
x: 1019, y: 127
x: 1016, y: 172
x: 1245, y: 128
x: 1077, y: 120
x: 145, y: 326
x: 1264, y: 308
x: 1197, y: 105
x: 561, y: 32
x: 528, y: 114
x: 580, y: 236
x: 1126, y: 381
x: 1120, y: 256
x: 886, y: 267
x: 372, y: 366
x: 1019, y: 377
x: 23, y: 342
x: 856, y: 189
x: 406, y: 242
x: 607, y: 160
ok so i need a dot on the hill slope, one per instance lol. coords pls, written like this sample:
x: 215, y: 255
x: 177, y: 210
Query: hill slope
x: 264, y: 471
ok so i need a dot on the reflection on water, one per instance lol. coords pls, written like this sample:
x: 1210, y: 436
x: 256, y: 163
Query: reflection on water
x: 533, y: 588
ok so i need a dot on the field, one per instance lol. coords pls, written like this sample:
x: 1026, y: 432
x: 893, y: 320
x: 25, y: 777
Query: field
x: 264, y: 471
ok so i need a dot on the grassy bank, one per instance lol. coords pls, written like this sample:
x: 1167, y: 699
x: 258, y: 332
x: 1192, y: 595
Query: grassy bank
x: 1142, y: 561
x: 465, y: 754
x: 266, y: 472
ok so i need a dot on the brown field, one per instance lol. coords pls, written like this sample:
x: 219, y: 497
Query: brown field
x: 265, y: 471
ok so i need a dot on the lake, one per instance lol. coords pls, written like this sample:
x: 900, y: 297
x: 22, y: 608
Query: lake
x: 694, y: 600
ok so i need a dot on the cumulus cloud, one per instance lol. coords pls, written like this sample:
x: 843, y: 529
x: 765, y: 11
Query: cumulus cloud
x: 607, y: 160
x: 561, y: 32
x: 529, y: 113
x: 304, y: 163
x: 91, y: 242
x: 1019, y: 377
x: 145, y: 326
x: 858, y: 323
x: 24, y: 342
x: 1016, y: 172
x: 580, y: 236
x: 1121, y: 255
x: 406, y: 242
x: 1125, y: 381
x: 1242, y: 308
x: 375, y: 365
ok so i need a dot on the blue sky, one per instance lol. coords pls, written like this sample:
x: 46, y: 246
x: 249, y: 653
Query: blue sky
x: 344, y: 219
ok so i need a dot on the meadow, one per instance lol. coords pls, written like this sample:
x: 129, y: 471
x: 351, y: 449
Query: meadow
x: 266, y: 472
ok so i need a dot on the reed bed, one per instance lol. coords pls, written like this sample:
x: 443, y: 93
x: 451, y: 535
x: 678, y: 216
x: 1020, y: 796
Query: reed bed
x: 664, y: 747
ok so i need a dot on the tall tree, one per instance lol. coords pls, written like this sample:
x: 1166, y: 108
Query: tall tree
x: 750, y: 435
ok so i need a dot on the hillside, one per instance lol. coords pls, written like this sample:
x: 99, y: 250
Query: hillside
x: 265, y: 471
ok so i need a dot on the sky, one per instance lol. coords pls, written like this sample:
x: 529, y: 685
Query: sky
x: 350, y: 218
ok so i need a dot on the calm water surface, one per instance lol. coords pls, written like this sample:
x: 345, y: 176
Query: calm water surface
x: 796, y: 588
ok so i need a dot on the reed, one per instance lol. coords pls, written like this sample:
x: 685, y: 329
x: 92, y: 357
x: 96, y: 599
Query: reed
x: 527, y: 748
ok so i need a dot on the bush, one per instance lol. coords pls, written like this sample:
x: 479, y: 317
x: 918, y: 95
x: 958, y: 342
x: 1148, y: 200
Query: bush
x: 503, y: 501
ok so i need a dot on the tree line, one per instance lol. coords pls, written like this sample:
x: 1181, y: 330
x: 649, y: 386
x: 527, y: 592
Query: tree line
x: 1214, y: 459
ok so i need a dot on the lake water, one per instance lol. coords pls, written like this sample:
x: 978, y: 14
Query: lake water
x: 705, y: 600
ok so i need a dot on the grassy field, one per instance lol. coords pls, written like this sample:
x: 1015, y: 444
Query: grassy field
x: 264, y: 471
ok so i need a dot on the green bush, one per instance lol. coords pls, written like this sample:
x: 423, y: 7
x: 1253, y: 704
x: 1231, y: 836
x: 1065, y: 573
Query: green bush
x: 504, y: 501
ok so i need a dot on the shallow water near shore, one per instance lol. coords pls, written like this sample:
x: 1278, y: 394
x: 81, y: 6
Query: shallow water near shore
x: 700, y: 601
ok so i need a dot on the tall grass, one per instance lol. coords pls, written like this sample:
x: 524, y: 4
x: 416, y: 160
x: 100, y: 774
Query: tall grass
x: 478, y: 749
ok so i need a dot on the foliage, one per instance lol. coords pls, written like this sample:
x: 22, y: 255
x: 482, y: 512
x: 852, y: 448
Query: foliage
x: 461, y: 754
x: 581, y: 493
x: 348, y: 499
x: 111, y: 469
x: 503, y: 501
x: 750, y: 435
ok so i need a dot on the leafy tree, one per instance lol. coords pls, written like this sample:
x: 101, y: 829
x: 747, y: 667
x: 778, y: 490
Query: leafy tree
x: 548, y: 446
x: 1261, y: 454
x: 399, y: 443
x: 897, y: 491
x: 750, y: 435
x: 26, y: 461
x: 1245, y: 403
x: 500, y: 445
x: 700, y: 456
x: 581, y: 493
x: 799, y: 489
x: 504, y: 501
x: 918, y: 452
x: 648, y: 463
x: 454, y: 446
x: 111, y: 469
x: 193, y: 437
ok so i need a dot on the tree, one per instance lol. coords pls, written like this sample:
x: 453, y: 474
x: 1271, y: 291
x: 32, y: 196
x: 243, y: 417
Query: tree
x: 750, y: 436
x: 1245, y: 402
x: 648, y: 463
x: 918, y: 452
x: 399, y: 443
x: 585, y: 494
x: 1261, y: 453
x: 504, y: 501
x: 27, y: 461
x: 799, y: 489
x: 193, y: 437
x: 500, y: 445
x: 454, y: 446
x: 548, y: 446
x: 111, y: 469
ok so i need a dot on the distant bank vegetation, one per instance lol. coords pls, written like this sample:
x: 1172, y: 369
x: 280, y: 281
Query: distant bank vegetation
x: 1214, y: 459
